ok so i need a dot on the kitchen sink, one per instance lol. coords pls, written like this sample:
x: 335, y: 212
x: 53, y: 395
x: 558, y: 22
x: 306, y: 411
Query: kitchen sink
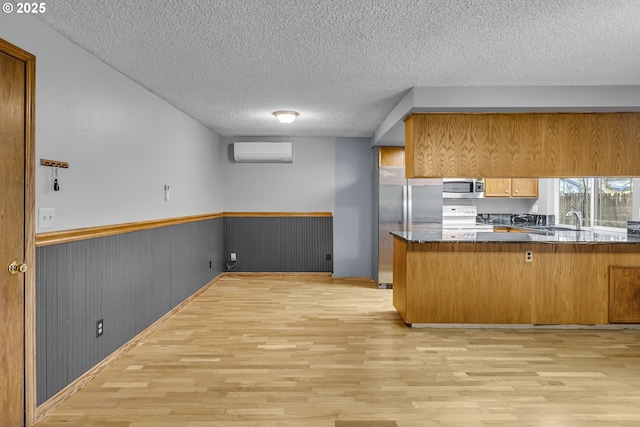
x: 544, y: 228
x: 571, y: 233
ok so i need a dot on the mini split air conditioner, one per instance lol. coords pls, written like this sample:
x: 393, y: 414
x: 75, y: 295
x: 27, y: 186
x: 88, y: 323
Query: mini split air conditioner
x: 263, y: 152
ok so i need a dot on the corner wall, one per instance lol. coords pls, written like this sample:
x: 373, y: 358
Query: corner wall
x: 306, y: 185
x: 353, y: 220
x: 327, y: 175
x: 128, y: 280
x: 122, y: 142
x: 123, y: 145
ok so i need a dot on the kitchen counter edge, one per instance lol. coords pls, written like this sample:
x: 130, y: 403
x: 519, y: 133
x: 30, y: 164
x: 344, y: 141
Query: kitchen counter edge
x: 557, y: 237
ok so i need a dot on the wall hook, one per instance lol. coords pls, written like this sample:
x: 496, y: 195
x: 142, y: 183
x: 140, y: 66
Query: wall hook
x: 54, y: 163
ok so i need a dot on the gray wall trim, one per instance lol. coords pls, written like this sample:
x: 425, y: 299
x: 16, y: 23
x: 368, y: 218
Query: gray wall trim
x: 280, y: 244
x: 129, y: 280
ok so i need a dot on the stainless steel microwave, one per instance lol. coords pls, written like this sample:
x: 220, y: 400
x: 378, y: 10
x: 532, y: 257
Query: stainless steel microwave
x: 462, y: 188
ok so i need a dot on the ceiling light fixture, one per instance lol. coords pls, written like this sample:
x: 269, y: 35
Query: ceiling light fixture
x: 286, y: 116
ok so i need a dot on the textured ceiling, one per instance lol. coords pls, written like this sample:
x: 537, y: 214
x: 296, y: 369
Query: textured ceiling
x: 344, y: 64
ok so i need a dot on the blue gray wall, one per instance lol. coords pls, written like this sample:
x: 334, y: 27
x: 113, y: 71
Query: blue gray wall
x: 327, y: 175
x: 123, y: 143
x: 306, y: 185
x: 353, y: 220
x: 280, y: 244
x: 129, y: 280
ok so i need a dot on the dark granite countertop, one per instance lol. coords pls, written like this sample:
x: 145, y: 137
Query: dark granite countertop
x: 535, y: 235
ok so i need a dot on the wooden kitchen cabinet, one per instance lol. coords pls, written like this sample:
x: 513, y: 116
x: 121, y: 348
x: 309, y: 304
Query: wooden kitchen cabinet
x: 624, y: 294
x: 495, y: 145
x: 461, y: 282
x: 493, y: 283
x: 497, y: 187
x: 391, y: 156
x: 511, y: 187
x: 524, y: 187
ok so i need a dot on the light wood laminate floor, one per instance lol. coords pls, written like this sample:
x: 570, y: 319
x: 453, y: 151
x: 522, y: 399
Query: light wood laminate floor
x: 317, y: 352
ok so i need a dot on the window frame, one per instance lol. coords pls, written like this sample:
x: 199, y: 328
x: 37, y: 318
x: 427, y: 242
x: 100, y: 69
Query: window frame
x: 592, y: 207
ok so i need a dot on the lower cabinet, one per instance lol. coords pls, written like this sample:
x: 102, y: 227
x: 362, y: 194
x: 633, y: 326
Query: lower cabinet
x: 624, y: 294
x: 495, y: 283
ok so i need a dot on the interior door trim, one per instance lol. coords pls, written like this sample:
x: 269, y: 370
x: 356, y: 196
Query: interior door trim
x: 29, y: 217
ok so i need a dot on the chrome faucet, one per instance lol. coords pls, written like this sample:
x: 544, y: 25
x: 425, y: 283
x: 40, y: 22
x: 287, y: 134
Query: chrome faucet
x: 578, y: 216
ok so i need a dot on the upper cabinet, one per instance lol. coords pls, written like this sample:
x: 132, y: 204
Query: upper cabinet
x: 511, y: 187
x: 497, y: 145
x: 391, y: 156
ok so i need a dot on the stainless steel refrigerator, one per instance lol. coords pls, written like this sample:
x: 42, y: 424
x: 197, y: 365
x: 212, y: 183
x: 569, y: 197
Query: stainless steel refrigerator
x: 403, y: 205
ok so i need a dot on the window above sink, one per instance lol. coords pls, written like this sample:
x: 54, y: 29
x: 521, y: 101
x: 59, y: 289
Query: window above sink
x: 602, y: 203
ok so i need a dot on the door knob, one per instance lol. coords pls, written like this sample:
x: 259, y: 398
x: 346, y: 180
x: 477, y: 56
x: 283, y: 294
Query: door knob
x: 14, y: 268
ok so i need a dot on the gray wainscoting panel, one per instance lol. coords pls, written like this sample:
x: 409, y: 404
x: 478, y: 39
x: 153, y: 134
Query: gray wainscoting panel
x: 280, y: 244
x: 129, y: 280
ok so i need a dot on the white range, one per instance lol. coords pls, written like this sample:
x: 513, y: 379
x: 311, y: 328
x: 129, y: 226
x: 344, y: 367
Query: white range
x: 459, y: 223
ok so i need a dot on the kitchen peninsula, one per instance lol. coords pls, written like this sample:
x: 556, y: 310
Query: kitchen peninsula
x: 534, y: 277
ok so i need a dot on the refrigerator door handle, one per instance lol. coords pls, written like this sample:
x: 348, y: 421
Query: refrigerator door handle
x: 404, y: 208
x: 408, y: 209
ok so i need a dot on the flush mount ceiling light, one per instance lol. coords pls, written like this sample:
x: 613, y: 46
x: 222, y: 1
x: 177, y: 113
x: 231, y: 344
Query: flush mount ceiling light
x: 286, y: 116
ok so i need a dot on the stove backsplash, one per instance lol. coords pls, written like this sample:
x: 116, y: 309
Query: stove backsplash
x: 516, y: 219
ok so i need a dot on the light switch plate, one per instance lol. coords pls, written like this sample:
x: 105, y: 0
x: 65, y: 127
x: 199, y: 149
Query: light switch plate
x: 46, y: 218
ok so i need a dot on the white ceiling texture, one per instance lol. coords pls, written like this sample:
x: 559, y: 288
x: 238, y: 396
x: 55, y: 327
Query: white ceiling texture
x: 345, y: 64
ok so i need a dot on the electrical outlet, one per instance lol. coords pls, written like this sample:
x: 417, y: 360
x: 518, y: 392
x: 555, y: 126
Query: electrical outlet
x: 528, y: 256
x: 233, y: 256
x: 167, y: 193
x: 534, y: 208
x: 99, y: 328
x: 327, y: 257
x: 46, y: 218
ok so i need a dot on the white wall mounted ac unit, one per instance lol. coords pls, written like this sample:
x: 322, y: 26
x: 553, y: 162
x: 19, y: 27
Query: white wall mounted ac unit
x: 263, y: 152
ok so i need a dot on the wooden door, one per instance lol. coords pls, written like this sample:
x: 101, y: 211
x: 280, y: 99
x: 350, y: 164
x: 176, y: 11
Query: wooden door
x: 16, y: 228
x: 624, y: 294
x: 391, y: 156
x: 497, y: 187
x: 524, y: 187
